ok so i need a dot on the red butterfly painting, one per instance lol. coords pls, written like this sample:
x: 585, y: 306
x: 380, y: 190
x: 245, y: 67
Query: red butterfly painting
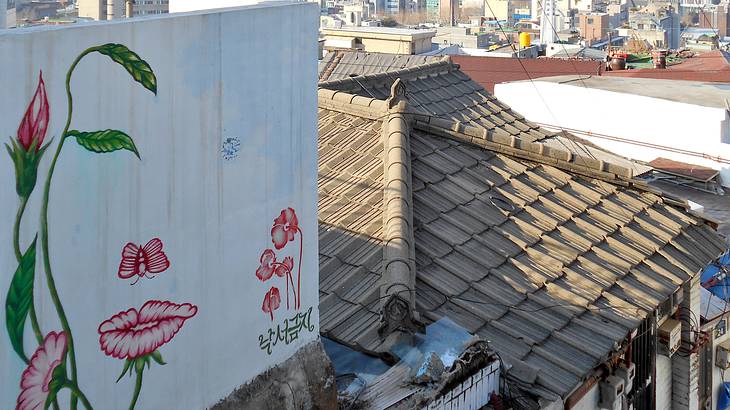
x: 142, y: 261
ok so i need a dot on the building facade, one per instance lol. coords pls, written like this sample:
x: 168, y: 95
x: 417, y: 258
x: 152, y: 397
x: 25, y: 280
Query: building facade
x: 378, y: 39
x: 115, y: 9
x: 593, y: 26
x: 716, y: 17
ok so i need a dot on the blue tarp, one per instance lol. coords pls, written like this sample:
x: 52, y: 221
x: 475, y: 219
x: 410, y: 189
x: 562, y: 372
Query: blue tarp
x: 723, y: 399
x: 721, y: 289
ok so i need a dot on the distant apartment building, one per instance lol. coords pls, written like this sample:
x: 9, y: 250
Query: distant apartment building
x: 584, y: 6
x: 660, y: 29
x: 392, y: 6
x: 716, y: 17
x: 378, y: 39
x: 593, y: 26
x: 433, y: 11
x: 448, y: 12
x: 462, y: 37
x: 497, y: 9
x: 147, y: 7
x: 114, y: 9
x: 618, y: 14
x: 510, y: 11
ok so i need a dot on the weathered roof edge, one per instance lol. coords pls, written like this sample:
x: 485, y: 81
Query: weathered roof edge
x: 541, y: 153
x: 404, y: 73
x: 533, y: 151
x: 370, y: 108
x: 398, y: 314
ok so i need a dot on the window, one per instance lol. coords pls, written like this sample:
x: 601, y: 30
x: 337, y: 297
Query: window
x: 590, y: 20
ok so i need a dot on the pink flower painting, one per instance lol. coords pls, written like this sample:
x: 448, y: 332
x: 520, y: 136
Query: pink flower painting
x: 134, y: 333
x: 285, y: 227
x: 284, y: 268
x: 267, y: 268
x: 34, y: 383
x: 33, y: 127
x: 284, y: 230
x: 272, y: 300
x: 138, y: 261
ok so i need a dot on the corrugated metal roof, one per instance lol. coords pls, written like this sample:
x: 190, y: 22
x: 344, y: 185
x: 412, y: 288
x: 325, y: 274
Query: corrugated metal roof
x: 552, y: 263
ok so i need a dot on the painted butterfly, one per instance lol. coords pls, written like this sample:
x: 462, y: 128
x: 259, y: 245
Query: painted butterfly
x: 140, y: 261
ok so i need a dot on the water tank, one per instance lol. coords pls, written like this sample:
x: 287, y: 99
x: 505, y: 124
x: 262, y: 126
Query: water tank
x: 618, y: 62
x: 525, y: 40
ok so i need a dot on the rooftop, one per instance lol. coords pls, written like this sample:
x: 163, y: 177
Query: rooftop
x: 713, y: 66
x: 438, y: 201
x: 690, y: 92
x: 390, y: 31
x: 488, y: 71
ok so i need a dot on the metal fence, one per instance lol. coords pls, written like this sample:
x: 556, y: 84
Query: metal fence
x: 472, y: 394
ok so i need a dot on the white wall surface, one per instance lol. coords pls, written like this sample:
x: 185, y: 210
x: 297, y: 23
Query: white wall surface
x: 178, y: 6
x: 590, y: 400
x: 627, y: 116
x: 664, y: 382
x: 234, y: 74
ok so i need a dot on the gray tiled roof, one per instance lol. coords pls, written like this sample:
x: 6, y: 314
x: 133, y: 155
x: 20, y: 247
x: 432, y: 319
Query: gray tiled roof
x: 551, y: 256
x: 344, y: 64
x: 437, y: 87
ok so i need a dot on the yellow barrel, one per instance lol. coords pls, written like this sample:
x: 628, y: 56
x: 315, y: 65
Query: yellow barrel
x: 525, y: 40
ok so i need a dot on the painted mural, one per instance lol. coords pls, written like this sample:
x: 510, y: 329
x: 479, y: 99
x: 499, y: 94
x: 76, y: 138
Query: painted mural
x: 284, y: 230
x: 134, y: 335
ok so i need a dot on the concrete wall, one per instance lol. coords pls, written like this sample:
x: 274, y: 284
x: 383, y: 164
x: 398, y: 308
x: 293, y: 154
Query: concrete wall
x: 178, y: 6
x: 590, y: 400
x: 228, y: 142
x: 644, y: 119
x: 664, y: 382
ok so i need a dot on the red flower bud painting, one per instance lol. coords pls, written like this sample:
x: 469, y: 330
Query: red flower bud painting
x: 272, y: 301
x: 33, y: 127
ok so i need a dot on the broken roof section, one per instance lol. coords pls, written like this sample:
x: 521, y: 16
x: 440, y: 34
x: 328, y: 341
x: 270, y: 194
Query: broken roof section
x: 552, y: 255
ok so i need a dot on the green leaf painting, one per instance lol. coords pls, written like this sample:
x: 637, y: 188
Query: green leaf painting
x: 20, y: 296
x: 104, y: 141
x: 138, y: 68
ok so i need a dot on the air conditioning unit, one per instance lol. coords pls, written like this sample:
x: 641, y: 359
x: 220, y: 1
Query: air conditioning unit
x: 722, y: 355
x: 626, y: 373
x: 670, y: 337
x: 612, y: 391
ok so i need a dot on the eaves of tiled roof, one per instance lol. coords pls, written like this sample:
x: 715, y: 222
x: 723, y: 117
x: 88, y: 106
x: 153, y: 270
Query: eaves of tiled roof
x: 552, y: 256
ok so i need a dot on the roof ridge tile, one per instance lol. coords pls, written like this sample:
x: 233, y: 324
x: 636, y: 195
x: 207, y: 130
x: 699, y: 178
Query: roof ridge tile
x: 535, y: 151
